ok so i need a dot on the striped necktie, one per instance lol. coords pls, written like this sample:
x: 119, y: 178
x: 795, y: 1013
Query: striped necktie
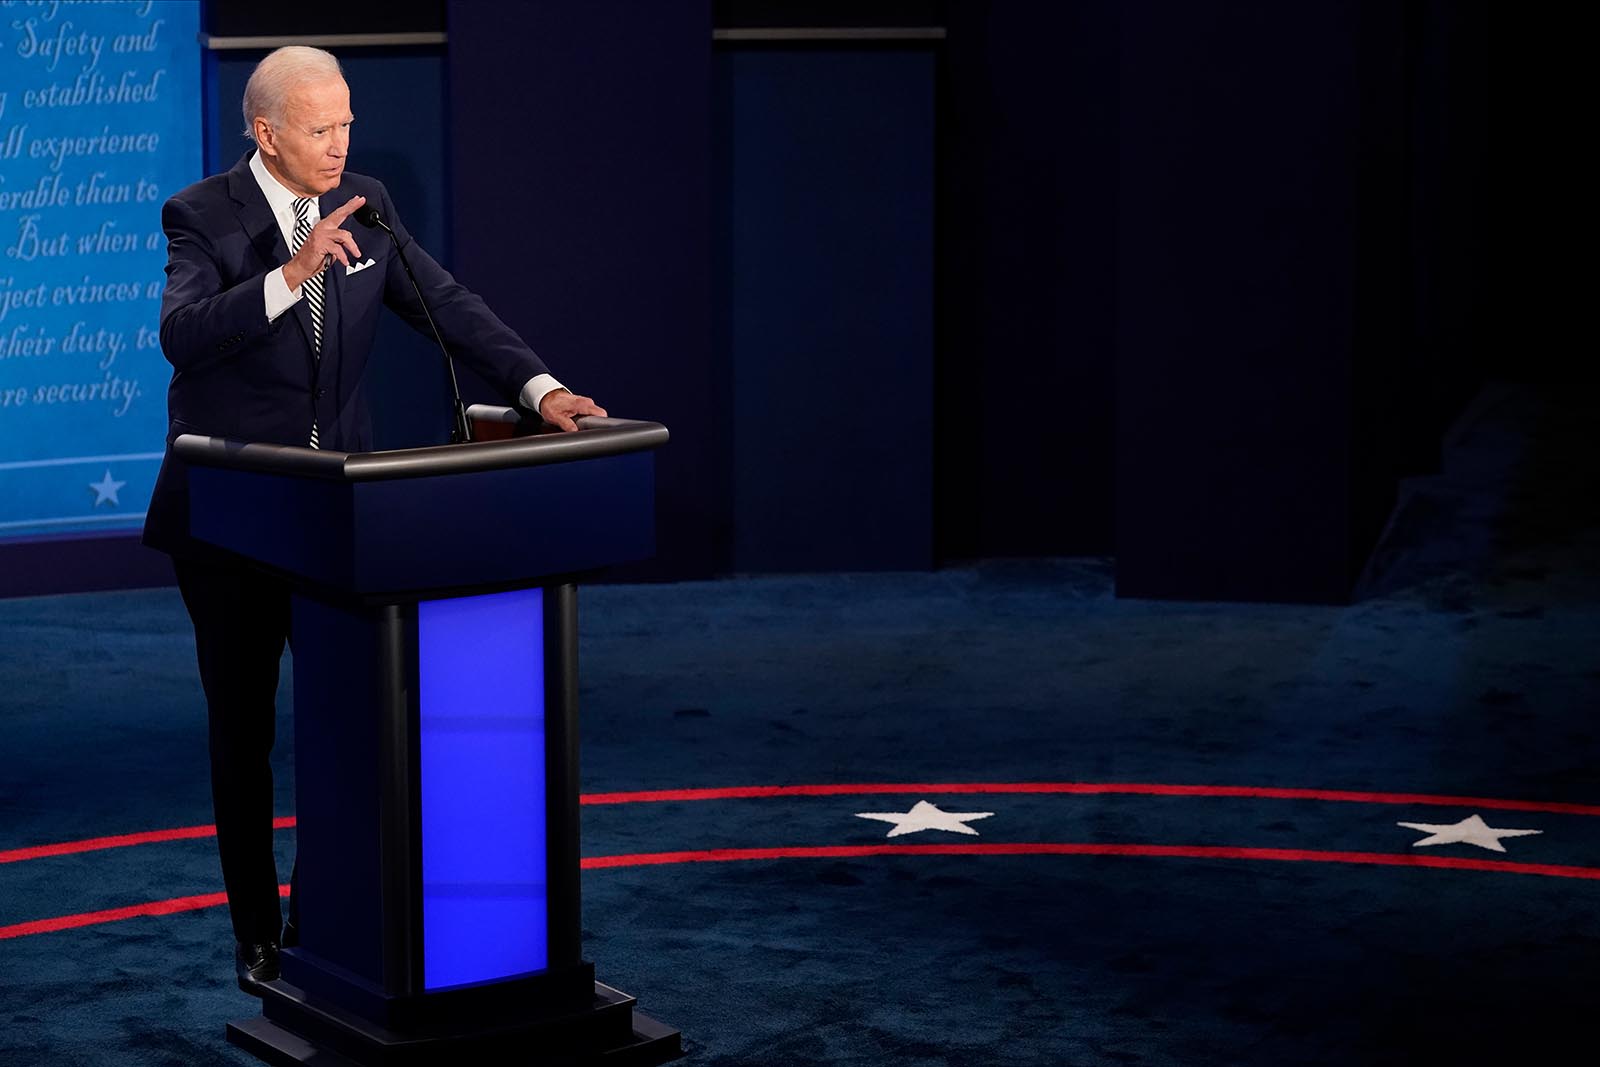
x: 312, y: 286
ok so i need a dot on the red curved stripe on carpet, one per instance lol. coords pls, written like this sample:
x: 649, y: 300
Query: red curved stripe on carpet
x: 746, y: 792
x: 736, y: 855
x: 91, y: 918
x: 111, y: 915
x: 1089, y: 789
x: 67, y: 848
x: 1281, y: 855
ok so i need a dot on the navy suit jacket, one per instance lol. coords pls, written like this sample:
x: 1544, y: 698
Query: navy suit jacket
x: 236, y: 375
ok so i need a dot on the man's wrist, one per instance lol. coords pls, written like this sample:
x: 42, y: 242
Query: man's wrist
x: 277, y: 295
x: 536, y: 389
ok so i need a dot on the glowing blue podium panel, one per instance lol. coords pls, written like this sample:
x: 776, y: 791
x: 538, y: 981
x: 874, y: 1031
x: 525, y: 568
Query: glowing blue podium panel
x: 480, y: 665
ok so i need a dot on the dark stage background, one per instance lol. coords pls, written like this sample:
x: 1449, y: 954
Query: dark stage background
x: 1189, y: 284
x: 1176, y: 442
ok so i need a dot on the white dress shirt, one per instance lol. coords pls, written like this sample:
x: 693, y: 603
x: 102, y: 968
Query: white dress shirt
x: 280, y: 298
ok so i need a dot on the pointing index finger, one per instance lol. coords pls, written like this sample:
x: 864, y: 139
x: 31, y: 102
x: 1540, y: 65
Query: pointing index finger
x: 339, y: 214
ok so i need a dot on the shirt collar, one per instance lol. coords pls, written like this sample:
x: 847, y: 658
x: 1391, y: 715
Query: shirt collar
x: 279, y: 199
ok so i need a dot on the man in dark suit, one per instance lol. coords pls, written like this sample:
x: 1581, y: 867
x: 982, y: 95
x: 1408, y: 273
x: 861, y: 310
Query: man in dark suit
x: 269, y: 315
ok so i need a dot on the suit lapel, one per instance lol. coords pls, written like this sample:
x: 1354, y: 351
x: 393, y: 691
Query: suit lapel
x: 266, y: 236
x: 255, y: 215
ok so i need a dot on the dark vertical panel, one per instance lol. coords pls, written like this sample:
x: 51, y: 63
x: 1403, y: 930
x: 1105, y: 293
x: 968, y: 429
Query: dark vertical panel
x: 562, y: 777
x: 1396, y: 423
x: 1240, y: 137
x: 1028, y: 216
x: 1449, y: 57
x: 1544, y: 78
x: 339, y: 790
x: 959, y: 282
x: 831, y: 295
x: 581, y: 170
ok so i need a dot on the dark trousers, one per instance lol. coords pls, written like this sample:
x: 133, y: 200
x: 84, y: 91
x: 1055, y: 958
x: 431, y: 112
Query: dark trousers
x: 241, y: 622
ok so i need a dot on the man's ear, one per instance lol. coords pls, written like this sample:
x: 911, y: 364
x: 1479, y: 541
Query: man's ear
x: 264, y: 138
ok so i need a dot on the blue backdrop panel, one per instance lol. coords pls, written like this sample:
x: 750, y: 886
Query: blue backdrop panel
x: 480, y: 667
x: 830, y: 286
x: 99, y: 104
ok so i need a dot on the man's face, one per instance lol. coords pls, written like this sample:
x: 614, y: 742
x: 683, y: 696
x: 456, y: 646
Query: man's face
x: 306, y: 153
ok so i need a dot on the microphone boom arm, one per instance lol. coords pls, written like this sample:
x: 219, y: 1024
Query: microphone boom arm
x: 462, y: 430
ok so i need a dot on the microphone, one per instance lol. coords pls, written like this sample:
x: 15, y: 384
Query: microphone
x: 368, y: 216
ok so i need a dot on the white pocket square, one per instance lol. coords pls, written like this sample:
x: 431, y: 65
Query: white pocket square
x: 356, y: 267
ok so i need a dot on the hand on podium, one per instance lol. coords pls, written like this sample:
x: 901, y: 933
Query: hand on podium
x: 559, y: 407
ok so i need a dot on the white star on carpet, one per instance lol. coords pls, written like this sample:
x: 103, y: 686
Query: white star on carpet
x: 925, y: 816
x: 106, y: 490
x: 1469, y: 831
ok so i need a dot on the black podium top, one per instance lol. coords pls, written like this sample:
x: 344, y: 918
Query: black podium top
x: 596, y: 437
x: 418, y: 522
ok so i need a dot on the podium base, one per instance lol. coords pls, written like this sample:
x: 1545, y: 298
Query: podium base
x: 294, y: 1031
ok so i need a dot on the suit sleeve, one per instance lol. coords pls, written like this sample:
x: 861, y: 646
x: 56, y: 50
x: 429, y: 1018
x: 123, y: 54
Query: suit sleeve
x: 472, y: 332
x: 202, y: 321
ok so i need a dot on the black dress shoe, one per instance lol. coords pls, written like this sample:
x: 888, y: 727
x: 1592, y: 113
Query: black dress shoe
x: 256, y: 964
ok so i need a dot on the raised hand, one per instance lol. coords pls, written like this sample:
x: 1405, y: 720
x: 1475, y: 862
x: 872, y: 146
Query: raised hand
x: 325, y: 243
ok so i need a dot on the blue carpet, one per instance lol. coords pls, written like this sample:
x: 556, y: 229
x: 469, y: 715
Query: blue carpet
x: 1468, y: 670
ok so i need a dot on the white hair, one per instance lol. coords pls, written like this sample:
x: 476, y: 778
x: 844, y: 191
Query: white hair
x: 267, y: 91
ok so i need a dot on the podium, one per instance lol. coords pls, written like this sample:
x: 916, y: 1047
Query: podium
x: 436, y: 737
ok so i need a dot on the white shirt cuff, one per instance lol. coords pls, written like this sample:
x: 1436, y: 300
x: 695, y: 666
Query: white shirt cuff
x: 279, y: 296
x: 537, y: 387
